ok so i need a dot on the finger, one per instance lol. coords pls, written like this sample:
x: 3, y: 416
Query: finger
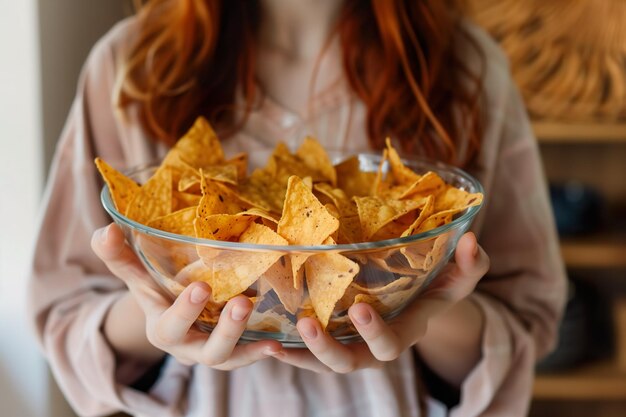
x: 470, y: 258
x: 329, y: 351
x: 244, y: 355
x: 230, y: 326
x: 302, y: 358
x: 175, y: 322
x: 110, y: 245
x: 461, y: 277
x: 382, y: 341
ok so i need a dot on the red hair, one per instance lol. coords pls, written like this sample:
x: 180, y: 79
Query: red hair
x: 401, y: 58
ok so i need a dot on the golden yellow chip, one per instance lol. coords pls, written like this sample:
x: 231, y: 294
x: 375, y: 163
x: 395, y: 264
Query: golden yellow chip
x: 261, y: 191
x: 199, y: 147
x: 121, y: 188
x: 280, y: 278
x: 354, y: 289
x: 315, y: 157
x: 428, y: 184
x: 396, y: 227
x: 425, y: 213
x: 401, y: 173
x: 327, y: 277
x: 153, y: 199
x: 179, y: 222
x: 270, y: 321
x: 380, y: 181
x: 338, y: 197
x: 389, y: 302
x: 181, y: 200
x: 218, y: 198
x: 456, y: 199
x: 375, y: 212
x: 190, y: 181
x: 225, y: 227
x: 305, y: 221
x: 440, y: 218
x: 240, y: 161
x: 352, y: 180
x: 232, y: 272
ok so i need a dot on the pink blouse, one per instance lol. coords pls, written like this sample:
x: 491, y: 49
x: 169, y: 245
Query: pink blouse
x: 71, y: 290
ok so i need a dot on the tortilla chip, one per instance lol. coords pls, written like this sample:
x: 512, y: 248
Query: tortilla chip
x: 260, y: 190
x: 224, y: 227
x: 179, y: 222
x: 280, y: 277
x: 375, y: 212
x: 352, y: 180
x: 425, y: 212
x: 305, y: 221
x: 388, y: 303
x: 315, y: 157
x: 232, y: 272
x: 456, y: 199
x: 218, y: 198
x: 181, y: 200
x: 327, y: 277
x: 154, y: 198
x: 121, y: 188
x: 240, y: 161
x: 199, y: 147
x: 401, y: 174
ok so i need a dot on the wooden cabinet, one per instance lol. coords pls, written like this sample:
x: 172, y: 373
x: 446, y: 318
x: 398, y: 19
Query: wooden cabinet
x: 594, y: 154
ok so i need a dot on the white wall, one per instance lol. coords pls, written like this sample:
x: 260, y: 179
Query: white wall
x: 23, y: 374
x: 43, y: 44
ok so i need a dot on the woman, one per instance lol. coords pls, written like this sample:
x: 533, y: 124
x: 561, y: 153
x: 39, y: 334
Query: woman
x: 351, y: 72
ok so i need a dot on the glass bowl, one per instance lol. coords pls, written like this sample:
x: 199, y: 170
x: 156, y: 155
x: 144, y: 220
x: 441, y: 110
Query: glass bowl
x: 391, y: 273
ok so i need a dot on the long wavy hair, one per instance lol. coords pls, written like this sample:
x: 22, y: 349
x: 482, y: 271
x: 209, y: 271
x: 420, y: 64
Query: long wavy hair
x: 405, y: 59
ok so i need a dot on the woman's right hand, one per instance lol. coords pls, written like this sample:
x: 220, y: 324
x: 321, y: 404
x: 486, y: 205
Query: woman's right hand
x: 169, y: 326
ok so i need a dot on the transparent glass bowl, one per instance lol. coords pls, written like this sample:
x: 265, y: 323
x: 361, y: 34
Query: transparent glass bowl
x: 386, y: 278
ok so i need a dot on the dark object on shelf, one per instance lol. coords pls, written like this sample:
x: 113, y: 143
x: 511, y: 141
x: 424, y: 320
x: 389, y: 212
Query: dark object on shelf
x: 585, y: 331
x: 572, y: 347
x: 578, y: 209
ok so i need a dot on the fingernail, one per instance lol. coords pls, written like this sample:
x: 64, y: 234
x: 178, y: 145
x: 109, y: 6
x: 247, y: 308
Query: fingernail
x: 238, y: 313
x: 310, y: 332
x: 103, y: 234
x: 362, y: 317
x: 198, y: 295
x: 475, y: 253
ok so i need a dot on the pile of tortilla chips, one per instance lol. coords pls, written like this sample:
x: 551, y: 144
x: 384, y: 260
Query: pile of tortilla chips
x: 299, y: 198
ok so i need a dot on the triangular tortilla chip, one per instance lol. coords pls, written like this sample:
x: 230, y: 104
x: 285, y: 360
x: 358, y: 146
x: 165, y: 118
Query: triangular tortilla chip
x: 179, y: 222
x: 305, y: 221
x: 121, y: 188
x: 232, y: 272
x: 375, y: 212
x: 327, y: 277
x: 154, y: 198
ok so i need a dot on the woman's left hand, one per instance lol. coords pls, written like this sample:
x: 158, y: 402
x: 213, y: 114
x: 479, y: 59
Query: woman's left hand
x: 386, y: 341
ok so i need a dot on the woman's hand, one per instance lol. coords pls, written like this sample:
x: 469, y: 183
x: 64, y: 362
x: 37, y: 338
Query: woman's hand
x: 169, y: 327
x: 385, y: 342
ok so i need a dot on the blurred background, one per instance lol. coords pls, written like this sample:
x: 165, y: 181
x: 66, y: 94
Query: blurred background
x: 569, y: 60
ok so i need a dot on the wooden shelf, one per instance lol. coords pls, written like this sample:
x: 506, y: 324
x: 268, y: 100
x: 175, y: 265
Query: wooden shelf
x: 594, y: 252
x: 564, y: 132
x: 597, y: 381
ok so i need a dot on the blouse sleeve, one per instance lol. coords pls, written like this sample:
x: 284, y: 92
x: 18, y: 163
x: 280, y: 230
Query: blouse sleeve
x: 523, y: 294
x: 70, y: 289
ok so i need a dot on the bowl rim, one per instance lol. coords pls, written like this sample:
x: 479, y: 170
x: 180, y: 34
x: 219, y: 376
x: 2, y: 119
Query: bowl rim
x: 469, y: 214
